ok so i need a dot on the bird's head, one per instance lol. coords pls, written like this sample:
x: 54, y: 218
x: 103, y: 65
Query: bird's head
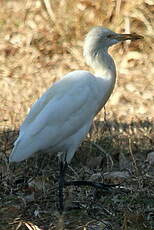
x: 100, y: 37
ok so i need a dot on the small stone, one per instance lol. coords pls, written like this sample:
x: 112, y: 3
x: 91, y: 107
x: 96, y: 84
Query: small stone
x: 124, y: 162
x: 150, y: 159
x: 94, y: 162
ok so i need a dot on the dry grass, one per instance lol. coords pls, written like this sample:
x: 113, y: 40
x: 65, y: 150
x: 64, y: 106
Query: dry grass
x: 39, y: 44
x: 40, y: 41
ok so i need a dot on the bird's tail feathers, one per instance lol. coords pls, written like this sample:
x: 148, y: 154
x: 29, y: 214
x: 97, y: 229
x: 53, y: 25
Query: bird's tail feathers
x: 22, y: 150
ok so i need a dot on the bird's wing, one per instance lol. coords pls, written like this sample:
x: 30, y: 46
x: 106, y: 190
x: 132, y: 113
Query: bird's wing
x: 37, y: 107
x: 59, y: 114
x: 64, y: 98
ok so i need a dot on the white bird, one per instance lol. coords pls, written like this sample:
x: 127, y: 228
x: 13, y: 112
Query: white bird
x: 62, y: 117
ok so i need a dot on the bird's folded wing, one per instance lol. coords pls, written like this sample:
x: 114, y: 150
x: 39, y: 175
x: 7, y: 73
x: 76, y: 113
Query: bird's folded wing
x: 66, y: 105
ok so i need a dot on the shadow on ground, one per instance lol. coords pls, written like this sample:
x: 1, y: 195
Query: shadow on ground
x: 29, y: 189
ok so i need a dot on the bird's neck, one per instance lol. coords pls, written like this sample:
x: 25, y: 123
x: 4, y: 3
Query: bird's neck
x: 102, y: 63
x: 105, y: 73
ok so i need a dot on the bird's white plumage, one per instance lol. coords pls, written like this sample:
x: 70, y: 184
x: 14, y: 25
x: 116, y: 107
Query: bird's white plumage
x: 62, y: 117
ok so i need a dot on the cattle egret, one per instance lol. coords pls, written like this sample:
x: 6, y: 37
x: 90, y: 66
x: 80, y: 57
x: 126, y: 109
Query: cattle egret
x: 62, y: 117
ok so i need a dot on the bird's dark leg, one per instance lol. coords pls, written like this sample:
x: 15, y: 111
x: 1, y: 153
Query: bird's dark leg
x: 63, y: 166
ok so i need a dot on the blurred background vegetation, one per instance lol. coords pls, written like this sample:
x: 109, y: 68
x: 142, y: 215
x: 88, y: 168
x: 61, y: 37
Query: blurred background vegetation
x: 42, y: 40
